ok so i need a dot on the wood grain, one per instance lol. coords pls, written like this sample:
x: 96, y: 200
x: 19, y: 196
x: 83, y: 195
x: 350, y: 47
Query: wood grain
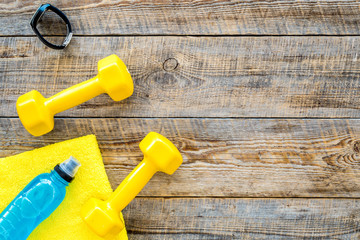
x: 195, y: 76
x: 188, y: 218
x: 230, y: 83
x: 164, y: 17
x: 222, y: 157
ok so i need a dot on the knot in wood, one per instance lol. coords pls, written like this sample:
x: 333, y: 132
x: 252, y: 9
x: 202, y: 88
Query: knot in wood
x: 357, y: 146
x: 170, y: 64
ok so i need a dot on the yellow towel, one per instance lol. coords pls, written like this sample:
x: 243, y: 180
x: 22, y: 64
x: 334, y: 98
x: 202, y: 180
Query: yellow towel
x: 91, y: 180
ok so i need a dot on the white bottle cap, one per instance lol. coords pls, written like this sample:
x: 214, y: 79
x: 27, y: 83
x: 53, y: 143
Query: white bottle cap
x: 70, y: 166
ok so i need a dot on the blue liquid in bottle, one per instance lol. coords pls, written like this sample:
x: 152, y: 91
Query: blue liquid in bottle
x: 36, y: 201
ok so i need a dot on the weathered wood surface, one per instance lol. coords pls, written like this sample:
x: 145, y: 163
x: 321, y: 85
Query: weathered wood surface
x: 189, y: 218
x: 204, y: 88
x: 195, y: 76
x: 222, y: 157
x: 250, y: 17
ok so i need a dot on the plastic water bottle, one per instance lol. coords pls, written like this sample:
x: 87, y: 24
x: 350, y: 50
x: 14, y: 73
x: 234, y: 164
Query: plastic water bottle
x: 36, y: 201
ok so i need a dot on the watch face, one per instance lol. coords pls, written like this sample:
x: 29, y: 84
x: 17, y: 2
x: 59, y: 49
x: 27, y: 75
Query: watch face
x: 37, y: 17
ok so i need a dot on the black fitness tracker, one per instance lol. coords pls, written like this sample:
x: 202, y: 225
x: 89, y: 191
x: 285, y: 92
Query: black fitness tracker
x: 37, y: 16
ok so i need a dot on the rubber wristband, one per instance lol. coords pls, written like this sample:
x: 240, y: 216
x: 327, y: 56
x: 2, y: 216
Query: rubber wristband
x: 38, y: 15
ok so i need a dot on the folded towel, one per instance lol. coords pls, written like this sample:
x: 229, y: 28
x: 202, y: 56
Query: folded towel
x: 91, y: 180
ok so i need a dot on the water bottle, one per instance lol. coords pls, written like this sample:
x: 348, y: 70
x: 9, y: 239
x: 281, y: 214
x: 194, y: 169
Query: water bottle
x: 36, y: 201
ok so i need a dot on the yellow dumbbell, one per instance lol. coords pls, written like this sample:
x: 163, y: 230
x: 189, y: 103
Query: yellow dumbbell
x: 37, y: 113
x: 103, y: 217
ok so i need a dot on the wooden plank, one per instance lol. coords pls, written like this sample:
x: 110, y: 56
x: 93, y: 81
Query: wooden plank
x: 249, y: 17
x: 187, y: 218
x: 195, y: 76
x: 222, y: 157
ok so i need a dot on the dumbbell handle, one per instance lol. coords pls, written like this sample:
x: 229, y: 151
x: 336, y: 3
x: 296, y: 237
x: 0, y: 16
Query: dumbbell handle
x: 74, y: 96
x: 132, y: 185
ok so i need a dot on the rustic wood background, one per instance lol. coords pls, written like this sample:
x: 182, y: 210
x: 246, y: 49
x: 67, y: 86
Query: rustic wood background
x: 261, y: 97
